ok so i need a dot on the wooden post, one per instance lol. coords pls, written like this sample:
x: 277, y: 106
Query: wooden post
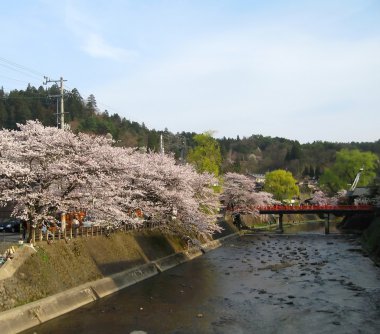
x: 33, y: 235
x: 63, y: 224
x: 327, y: 223
x: 280, y: 227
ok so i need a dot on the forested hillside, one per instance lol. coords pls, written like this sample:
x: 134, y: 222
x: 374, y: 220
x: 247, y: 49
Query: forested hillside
x: 254, y: 154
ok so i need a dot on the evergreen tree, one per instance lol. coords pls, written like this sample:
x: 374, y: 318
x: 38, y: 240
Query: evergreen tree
x: 311, y: 171
x: 306, y: 171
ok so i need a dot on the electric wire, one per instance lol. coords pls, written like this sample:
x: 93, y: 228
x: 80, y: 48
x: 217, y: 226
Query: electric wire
x: 9, y: 78
x: 11, y: 65
x: 17, y: 67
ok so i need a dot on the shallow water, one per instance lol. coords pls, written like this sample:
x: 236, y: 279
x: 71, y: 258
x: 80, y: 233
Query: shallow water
x: 311, y: 227
x: 308, y: 283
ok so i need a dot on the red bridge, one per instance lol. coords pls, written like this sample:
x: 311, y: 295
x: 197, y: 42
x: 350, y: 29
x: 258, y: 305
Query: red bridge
x: 324, y: 209
x: 334, y: 209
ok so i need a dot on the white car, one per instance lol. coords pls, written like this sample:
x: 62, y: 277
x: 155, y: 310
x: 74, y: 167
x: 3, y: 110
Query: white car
x: 90, y: 222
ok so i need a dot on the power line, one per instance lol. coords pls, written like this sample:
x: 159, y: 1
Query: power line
x: 26, y: 97
x: 9, y: 78
x: 9, y: 66
x: 6, y: 63
x: 17, y: 67
x: 16, y: 70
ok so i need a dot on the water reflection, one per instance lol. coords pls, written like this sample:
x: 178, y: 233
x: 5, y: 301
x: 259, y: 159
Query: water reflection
x: 311, y: 227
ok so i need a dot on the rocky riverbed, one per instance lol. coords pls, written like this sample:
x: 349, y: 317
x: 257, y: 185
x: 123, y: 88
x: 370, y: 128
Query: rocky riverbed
x: 254, y: 284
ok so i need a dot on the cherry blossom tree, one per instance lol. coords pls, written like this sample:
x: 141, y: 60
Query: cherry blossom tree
x: 45, y: 170
x: 173, y: 196
x: 240, y: 193
x: 320, y: 198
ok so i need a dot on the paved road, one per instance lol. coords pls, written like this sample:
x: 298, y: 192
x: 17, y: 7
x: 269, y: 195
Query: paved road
x: 7, y: 240
x: 9, y: 237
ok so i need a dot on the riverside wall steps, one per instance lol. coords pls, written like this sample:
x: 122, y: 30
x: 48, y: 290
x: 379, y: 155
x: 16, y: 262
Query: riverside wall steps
x: 11, y: 265
x: 29, y: 315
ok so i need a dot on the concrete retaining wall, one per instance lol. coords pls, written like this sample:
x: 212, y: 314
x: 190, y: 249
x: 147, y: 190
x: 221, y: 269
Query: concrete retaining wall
x: 11, y: 265
x: 35, y: 313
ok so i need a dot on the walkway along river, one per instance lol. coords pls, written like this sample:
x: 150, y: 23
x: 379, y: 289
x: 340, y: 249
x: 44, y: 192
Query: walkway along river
x: 262, y: 283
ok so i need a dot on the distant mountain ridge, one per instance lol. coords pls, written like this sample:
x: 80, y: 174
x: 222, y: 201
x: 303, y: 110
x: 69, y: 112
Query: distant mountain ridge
x: 254, y: 154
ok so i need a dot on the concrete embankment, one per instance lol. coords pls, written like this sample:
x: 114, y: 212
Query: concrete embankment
x: 369, y: 226
x: 145, y: 258
x: 35, y: 313
x: 371, y: 240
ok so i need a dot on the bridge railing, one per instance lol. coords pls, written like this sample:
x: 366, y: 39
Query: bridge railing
x: 315, y: 208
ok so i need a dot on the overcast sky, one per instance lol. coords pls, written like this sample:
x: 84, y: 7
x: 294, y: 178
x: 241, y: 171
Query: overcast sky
x: 303, y: 70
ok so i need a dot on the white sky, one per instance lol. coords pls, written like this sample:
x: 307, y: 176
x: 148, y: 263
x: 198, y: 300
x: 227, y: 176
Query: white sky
x: 304, y: 70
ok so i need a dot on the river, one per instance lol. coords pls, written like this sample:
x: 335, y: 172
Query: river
x: 261, y: 283
x: 311, y: 227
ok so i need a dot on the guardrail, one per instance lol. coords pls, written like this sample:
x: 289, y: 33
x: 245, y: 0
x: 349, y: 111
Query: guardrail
x: 300, y: 208
x: 91, y: 231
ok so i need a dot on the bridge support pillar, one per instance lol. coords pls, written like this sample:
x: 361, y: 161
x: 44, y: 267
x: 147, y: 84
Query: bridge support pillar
x: 327, y: 223
x: 280, y: 227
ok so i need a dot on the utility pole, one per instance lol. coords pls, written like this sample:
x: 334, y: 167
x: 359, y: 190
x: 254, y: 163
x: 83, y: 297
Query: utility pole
x: 183, y: 150
x: 62, y: 126
x: 62, y: 112
x: 162, y: 149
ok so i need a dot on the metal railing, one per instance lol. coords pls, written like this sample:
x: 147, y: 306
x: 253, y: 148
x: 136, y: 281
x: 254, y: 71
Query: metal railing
x: 92, y: 231
x: 305, y: 208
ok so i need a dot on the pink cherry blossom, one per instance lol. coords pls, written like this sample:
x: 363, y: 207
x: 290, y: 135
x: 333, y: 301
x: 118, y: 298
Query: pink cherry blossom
x: 241, y: 196
x: 45, y: 170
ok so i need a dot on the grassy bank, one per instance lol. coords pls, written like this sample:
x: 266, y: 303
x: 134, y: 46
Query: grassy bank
x: 62, y: 265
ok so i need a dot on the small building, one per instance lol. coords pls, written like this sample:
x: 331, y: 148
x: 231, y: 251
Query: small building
x: 360, y: 195
x: 259, y: 180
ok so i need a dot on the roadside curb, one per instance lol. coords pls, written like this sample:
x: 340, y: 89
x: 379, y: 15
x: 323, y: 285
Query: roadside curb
x: 29, y: 315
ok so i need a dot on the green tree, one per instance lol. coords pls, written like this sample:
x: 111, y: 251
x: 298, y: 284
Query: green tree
x: 295, y: 152
x: 306, y: 171
x: 91, y: 105
x: 3, y: 112
x: 318, y: 172
x: 205, y: 156
x: 74, y: 104
x: 281, y: 184
x: 347, y: 164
